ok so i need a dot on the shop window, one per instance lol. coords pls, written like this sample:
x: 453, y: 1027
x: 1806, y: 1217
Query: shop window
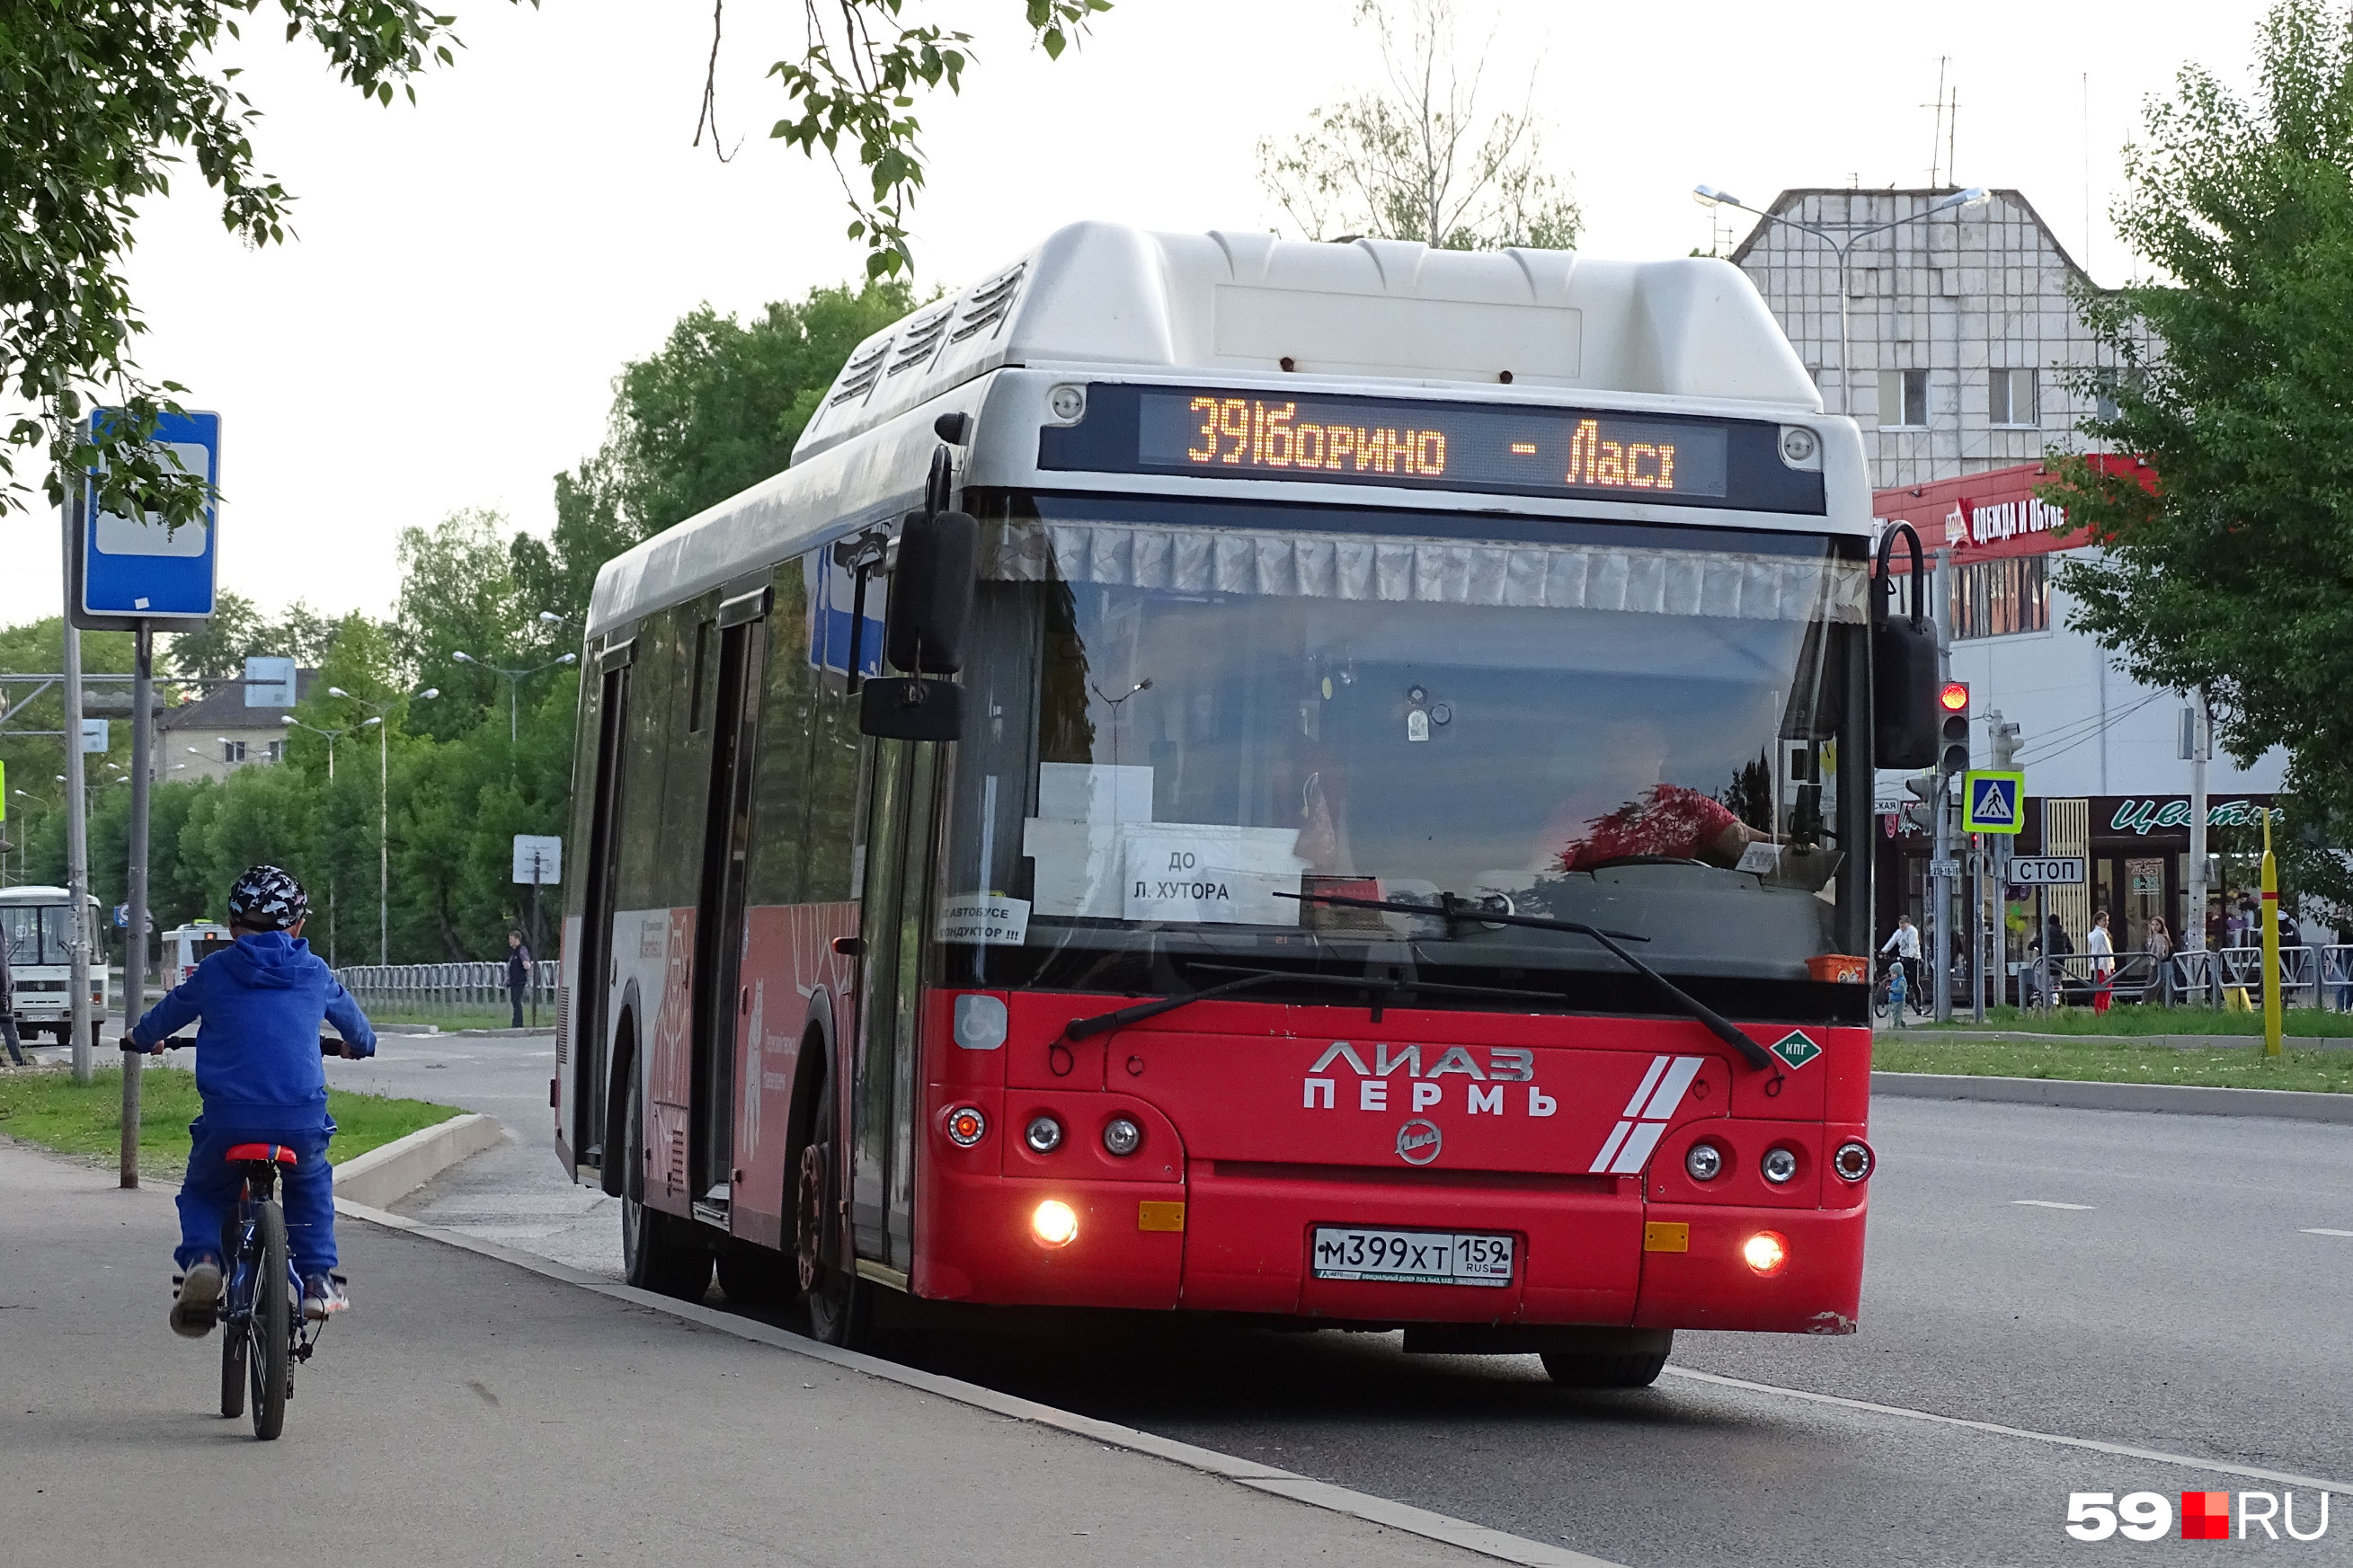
x: 1996, y: 598
x: 2009, y: 397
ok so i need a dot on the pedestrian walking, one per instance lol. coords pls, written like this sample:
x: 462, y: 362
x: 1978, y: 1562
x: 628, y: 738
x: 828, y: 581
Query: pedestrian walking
x: 8, y: 1007
x: 517, y: 972
x: 1904, y: 943
x: 2160, y: 953
x: 2052, y: 949
x: 2102, y: 950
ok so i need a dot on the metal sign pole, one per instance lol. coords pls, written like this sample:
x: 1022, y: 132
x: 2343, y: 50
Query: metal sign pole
x: 532, y: 977
x: 134, y: 936
x: 77, y: 806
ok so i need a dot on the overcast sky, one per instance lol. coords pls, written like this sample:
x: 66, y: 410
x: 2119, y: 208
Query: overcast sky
x: 470, y: 273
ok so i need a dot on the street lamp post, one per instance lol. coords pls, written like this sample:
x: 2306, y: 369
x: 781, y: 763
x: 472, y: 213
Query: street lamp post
x: 513, y: 678
x: 1708, y: 195
x: 383, y: 814
x: 332, y: 736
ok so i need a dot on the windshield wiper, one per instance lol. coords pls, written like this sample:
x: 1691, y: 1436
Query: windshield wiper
x: 1105, y: 1023
x: 1453, y: 911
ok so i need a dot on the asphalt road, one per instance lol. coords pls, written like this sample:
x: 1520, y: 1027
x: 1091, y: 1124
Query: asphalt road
x: 468, y: 1414
x: 2148, y: 1281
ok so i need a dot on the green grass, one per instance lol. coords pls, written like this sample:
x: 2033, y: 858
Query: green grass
x: 487, y: 1018
x: 48, y: 1107
x: 2112, y: 1061
x: 2309, y: 1022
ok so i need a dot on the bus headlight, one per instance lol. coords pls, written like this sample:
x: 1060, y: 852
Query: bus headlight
x: 1055, y: 1223
x: 966, y: 1126
x: 1779, y: 1166
x: 1705, y: 1163
x: 1765, y: 1252
x: 1122, y: 1136
x: 1854, y: 1160
x: 1044, y: 1134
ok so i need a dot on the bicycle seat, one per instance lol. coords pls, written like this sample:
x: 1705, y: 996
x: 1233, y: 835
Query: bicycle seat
x: 241, y: 1153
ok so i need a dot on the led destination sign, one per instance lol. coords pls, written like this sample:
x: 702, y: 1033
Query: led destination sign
x: 1528, y: 450
x: 1419, y: 444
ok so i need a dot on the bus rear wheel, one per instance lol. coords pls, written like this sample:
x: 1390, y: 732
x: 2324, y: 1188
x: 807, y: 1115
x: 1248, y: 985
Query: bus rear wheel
x: 653, y: 1258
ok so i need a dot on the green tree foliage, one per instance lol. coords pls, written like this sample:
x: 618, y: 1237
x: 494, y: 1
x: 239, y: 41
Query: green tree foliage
x: 237, y: 631
x: 99, y: 103
x: 714, y: 412
x: 861, y: 65
x: 2233, y: 569
x: 1420, y: 159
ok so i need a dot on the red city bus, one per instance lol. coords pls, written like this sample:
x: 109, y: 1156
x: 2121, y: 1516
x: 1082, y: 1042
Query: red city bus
x: 1309, y: 781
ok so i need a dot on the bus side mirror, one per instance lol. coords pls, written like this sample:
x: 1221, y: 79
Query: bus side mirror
x: 930, y: 613
x: 1904, y: 665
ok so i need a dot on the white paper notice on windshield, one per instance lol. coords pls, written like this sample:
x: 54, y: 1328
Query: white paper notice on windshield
x: 988, y: 920
x: 1211, y: 873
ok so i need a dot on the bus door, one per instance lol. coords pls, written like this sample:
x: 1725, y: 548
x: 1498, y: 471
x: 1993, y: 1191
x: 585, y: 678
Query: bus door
x: 720, y: 1012
x: 892, y: 925
x: 592, y: 971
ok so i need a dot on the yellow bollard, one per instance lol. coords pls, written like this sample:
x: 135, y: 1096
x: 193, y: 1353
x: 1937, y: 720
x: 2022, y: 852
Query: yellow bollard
x: 2270, y: 945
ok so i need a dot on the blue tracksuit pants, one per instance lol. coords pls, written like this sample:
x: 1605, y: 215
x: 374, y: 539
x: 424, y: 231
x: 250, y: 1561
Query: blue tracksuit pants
x: 306, y: 1190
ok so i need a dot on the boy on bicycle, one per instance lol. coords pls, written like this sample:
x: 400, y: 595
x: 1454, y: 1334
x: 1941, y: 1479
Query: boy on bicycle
x: 260, y: 1076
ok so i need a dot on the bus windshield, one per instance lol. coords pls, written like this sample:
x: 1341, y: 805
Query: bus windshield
x: 1192, y: 719
x: 37, y: 934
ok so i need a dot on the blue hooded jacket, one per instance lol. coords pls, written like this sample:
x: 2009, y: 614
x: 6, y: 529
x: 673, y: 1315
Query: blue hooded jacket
x: 257, y: 1067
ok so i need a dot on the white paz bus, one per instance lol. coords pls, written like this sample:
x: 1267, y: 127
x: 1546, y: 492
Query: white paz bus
x: 1313, y: 781
x: 36, y: 923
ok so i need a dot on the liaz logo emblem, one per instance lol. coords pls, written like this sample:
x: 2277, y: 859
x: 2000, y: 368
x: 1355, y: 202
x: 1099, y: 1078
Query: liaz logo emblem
x: 1795, y: 1048
x: 1418, y: 1141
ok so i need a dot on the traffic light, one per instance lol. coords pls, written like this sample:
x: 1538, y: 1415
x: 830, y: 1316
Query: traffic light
x: 1920, y: 812
x: 1954, y: 699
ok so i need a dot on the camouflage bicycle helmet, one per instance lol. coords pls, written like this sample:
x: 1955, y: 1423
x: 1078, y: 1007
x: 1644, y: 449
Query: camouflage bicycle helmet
x: 267, y: 898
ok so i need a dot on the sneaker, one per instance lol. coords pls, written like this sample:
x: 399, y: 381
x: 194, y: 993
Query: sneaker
x: 323, y: 1295
x: 198, y: 1299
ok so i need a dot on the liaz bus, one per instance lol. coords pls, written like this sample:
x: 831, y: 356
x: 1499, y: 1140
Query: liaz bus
x: 37, y: 924
x: 1322, y: 782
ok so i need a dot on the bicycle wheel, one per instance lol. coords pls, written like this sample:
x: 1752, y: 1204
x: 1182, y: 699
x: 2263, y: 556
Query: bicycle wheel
x: 271, y: 1326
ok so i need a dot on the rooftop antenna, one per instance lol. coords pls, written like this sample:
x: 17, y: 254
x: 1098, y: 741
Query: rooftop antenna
x: 1952, y: 129
x: 2088, y: 173
x: 1936, y: 133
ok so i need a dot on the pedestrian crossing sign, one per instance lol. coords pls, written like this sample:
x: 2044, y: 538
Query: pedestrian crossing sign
x: 1992, y: 802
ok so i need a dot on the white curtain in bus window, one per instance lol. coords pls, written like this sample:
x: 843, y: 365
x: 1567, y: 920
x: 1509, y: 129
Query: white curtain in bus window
x: 1566, y: 576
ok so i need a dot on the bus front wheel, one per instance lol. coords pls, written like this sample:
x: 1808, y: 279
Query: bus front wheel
x: 652, y: 1256
x: 837, y: 1298
x: 1606, y: 1369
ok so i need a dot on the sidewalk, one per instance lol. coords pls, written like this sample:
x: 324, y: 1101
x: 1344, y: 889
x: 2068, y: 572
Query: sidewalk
x: 472, y: 1413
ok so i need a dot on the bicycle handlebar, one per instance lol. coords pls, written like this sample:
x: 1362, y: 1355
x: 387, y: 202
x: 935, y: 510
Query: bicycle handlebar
x: 328, y: 1044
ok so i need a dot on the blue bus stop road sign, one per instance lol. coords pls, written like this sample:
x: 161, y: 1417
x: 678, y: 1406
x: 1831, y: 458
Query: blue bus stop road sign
x: 1990, y: 801
x: 132, y: 569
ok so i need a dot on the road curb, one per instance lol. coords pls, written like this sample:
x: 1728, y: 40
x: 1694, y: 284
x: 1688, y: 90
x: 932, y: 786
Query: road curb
x: 1401, y: 1517
x: 2294, y: 1105
x: 2168, y: 1042
x: 390, y: 1172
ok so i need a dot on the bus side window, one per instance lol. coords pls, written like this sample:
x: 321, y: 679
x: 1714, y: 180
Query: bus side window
x: 835, y: 748
x: 654, y: 681
x: 776, y: 873
x: 686, y: 784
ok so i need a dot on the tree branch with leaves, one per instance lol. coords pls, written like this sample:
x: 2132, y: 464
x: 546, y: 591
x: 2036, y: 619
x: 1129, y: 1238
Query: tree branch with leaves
x: 1421, y: 159
x: 99, y: 105
x: 854, y: 86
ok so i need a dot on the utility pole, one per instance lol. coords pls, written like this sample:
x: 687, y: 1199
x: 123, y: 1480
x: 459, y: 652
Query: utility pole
x: 2197, y: 748
x: 1941, y: 877
x: 2003, y: 737
x: 134, y: 936
x: 77, y: 806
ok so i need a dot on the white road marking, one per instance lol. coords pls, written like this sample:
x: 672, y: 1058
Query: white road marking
x: 2047, y: 1204
x: 2328, y: 1233
x: 2123, y: 1450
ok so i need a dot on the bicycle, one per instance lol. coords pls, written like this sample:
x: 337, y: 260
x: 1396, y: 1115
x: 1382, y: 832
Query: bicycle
x: 264, y: 1335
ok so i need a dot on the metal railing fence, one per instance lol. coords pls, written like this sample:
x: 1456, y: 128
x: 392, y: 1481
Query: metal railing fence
x: 441, y: 990
x: 2310, y: 976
